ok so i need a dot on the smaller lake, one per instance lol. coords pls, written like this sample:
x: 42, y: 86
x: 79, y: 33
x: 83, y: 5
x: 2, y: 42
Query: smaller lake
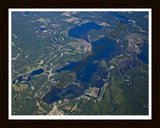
x: 28, y: 76
x: 144, y: 56
x: 81, y: 31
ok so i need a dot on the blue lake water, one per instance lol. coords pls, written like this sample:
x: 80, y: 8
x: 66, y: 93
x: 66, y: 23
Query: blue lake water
x: 124, y: 22
x: 82, y: 30
x: 87, y: 75
x: 25, y: 13
x: 144, y: 56
x: 42, y: 29
x: 21, y: 78
x: 58, y: 94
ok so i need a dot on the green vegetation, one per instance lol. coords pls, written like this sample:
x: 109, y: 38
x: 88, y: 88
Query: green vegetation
x: 40, y: 41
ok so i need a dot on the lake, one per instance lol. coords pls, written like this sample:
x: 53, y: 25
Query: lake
x: 81, y: 31
x: 89, y: 75
x: 144, y: 56
x: 21, y: 78
x: 25, y: 13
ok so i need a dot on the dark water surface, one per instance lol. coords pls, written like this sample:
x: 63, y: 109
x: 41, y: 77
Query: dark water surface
x: 81, y: 31
x: 21, y: 78
x: 88, y: 76
x: 117, y: 15
x: 25, y: 13
x: 144, y: 56
x: 42, y: 29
